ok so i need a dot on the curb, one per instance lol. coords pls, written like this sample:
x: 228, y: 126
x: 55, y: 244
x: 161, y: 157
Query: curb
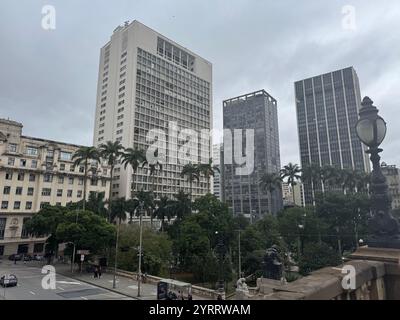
x: 100, y: 286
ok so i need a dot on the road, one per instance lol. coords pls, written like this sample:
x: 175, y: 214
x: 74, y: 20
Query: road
x: 30, y: 286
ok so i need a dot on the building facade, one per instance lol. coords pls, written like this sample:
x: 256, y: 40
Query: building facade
x: 217, y: 175
x: 35, y: 172
x: 392, y: 175
x: 327, y: 108
x: 152, y: 89
x: 256, y: 112
x: 287, y: 194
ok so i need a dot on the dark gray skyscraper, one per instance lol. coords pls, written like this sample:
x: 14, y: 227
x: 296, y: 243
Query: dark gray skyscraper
x: 258, y: 112
x: 327, y: 111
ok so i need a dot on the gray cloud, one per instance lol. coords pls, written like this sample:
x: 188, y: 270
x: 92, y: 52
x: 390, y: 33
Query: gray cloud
x: 48, y: 78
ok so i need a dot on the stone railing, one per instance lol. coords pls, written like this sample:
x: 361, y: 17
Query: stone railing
x: 196, y: 290
x: 376, y: 277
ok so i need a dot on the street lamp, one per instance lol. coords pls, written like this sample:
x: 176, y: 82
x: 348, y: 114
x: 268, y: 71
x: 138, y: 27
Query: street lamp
x: 371, y: 130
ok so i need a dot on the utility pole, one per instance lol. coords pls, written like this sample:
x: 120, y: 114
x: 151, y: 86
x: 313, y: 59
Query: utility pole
x: 240, y: 257
x: 74, y: 250
x: 116, y: 257
x: 140, y: 249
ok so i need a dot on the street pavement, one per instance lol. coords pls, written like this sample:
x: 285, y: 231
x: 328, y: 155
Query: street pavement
x: 30, y: 286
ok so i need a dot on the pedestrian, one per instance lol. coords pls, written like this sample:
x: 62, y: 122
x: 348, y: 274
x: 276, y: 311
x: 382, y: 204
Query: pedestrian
x: 95, y: 272
x: 99, y: 272
x: 190, y: 297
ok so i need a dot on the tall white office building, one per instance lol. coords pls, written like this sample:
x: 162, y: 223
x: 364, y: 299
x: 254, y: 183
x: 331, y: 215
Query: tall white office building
x: 149, y: 82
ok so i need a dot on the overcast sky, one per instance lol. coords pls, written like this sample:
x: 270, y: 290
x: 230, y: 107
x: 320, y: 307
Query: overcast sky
x: 48, y: 78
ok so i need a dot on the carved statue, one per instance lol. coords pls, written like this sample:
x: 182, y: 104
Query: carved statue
x: 241, y: 285
x: 272, y: 264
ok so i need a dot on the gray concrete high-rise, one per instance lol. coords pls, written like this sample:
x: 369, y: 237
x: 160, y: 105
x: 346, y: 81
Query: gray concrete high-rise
x: 243, y: 193
x: 147, y: 81
x: 327, y: 108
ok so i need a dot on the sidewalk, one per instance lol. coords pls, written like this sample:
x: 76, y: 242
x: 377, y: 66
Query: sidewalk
x: 124, y: 285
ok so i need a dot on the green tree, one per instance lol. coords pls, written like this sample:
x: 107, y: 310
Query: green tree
x: 208, y: 170
x: 270, y: 182
x: 111, y: 152
x: 312, y: 174
x: 317, y: 256
x: 92, y: 232
x: 83, y: 156
x: 153, y: 169
x: 163, y: 210
x: 181, y: 206
x: 157, y: 250
x: 191, y: 171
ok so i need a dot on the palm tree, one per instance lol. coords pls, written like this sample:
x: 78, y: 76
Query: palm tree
x: 96, y: 203
x: 163, y: 210
x: 291, y: 172
x: 111, y: 151
x: 119, y: 214
x: 270, y: 182
x: 142, y: 197
x: 152, y: 169
x: 347, y: 180
x: 182, y: 205
x: 134, y: 158
x: 83, y: 156
x: 208, y: 170
x: 192, y: 172
x: 362, y: 181
x: 311, y: 174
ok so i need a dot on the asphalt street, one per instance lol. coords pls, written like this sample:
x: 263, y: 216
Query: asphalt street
x: 30, y: 286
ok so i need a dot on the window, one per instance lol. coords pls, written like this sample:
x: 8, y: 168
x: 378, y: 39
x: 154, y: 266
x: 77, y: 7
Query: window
x: 81, y: 169
x: 17, y: 205
x: 38, y: 248
x: 28, y: 205
x: 70, y: 180
x: 24, y: 232
x: 11, y: 161
x: 12, y: 147
x: 6, y: 190
x: 58, y: 204
x: 4, y: 204
x: 43, y: 204
x: 18, y: 191
x: 9, y: 175
x: 31, y: 151
x: 60, y: 179
x: 46, y: 192
x: 72, y: 168
x: 79, y: 194
x: 93, y: 182
x: 80, y: 181
x: 32, y: 177
x: 48, y: 178
x: 22, y: 162
x: 65, y: 156
x: 34, y: 164
x: 103, y: 182
x: 59, y: 192
x: 21, y: 176
x: 2, y: 229
x: 62, y: 166
x: 30, y: 191
x: 69, y: 193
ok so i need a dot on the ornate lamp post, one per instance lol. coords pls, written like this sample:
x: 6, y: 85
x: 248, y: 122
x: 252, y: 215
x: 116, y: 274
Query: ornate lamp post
x: 383, y: 228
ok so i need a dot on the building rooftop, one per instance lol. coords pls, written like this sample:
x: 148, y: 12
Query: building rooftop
x: 247, y: 96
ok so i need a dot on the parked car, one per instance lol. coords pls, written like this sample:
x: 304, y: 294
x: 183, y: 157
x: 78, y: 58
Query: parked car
x: 8, y: 280
x: 38, y: 257
x: 27, y: 257
x: 15, y: 257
